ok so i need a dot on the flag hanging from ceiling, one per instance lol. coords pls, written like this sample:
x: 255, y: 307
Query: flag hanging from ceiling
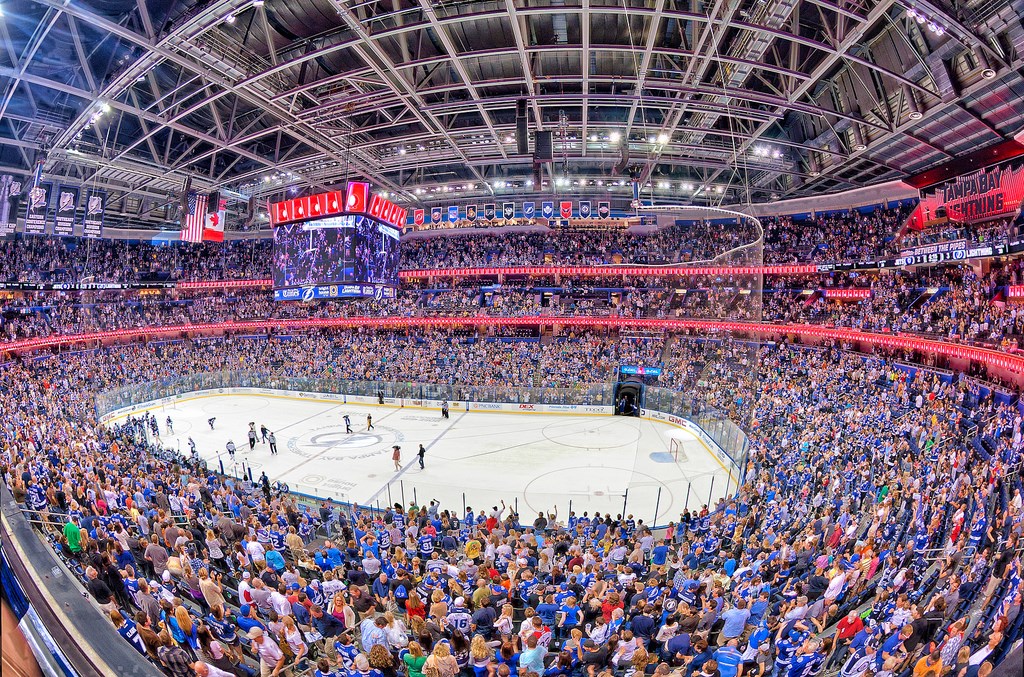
x: 213, y: 228
x: 194, y: 220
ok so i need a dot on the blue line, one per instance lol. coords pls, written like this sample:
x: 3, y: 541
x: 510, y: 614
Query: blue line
x: 415, y: 460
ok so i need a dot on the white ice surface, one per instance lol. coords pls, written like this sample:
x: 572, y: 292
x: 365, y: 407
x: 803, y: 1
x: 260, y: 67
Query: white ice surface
x: 533, y: 461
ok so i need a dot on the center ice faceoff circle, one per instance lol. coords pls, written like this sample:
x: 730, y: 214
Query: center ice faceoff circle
x: 331, y: 442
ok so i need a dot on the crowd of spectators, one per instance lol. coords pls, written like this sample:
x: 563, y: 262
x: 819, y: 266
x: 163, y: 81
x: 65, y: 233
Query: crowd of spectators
x: 950, y: 302
x: 869, y: 535
x: 838, y: 237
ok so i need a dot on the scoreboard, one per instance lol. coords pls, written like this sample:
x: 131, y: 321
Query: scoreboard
x: 336, y: 245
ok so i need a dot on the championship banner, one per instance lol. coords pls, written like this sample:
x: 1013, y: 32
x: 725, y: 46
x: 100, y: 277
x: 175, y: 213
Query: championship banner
x: 64, y: 216
x: 35, y: 217
x: 417, y: 217
x: 529, y: 210
x: 453, y: 213
x: 10, y: 189
x: 92, y: 221
x: 565, y: 209
x: 471, y: 212
x: 604, y: 209
x: 547, y: 210
x: 489, y: 211
x: 435, y: 215
x: 584, y: 209
x: 508, y: 210
x: 979, y: 196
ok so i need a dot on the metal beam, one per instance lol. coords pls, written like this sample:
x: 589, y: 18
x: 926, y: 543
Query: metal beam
x: 853, y: 38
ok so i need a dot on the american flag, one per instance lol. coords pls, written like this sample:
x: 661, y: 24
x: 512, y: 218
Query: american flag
x: 195, y: 220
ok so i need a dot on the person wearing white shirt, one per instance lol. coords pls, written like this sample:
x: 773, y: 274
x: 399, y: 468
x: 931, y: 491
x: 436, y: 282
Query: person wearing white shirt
x: 243, y: 587
x: 206, y: 670
x: 371, y: 565
x: 271, y: 656
x: 979, y: 656
x: 280, y: 603
x: 256, y: 550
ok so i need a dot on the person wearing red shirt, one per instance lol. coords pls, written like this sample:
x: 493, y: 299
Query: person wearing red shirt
x: 610, y: 604
x: 849, y: 626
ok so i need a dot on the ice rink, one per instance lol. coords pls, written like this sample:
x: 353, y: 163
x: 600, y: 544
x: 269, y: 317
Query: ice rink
x: 534, y: 461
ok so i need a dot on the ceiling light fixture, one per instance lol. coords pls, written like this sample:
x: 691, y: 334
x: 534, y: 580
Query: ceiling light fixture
x: 615, y: 137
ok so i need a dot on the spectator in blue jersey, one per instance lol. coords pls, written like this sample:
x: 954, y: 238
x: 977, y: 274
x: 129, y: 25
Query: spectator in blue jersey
x: 808, y: 659
x: 703, y: 653
x: 126, y: 628
x: 729, y: 659
x: 569, y: 616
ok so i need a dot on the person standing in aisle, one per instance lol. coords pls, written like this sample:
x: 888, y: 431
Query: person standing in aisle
x: 369, y: 422
x: 348, y: 423
x: 420, y: 454
x: 273, y: 443
x: 396, y: 456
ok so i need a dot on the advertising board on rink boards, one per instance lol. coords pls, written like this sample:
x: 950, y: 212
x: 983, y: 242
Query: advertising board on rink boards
x: 582, y: 409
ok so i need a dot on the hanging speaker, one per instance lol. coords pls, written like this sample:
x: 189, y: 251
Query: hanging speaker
x: 542, y: 147
x: 186, y: 188
x: 522, y: 131
x: 213, y: 203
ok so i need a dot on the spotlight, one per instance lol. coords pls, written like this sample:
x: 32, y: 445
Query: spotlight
x: 257, y: 3
x: 401, y: 151
x: 469, y: 186
x: 663, y: 138
x: 529, y: 182
x: 229, y: 19
x: 615, y: 137
x: 105, y: 108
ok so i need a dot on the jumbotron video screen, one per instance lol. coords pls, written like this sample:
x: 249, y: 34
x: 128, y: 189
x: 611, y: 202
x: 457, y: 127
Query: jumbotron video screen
x: 338, y: 256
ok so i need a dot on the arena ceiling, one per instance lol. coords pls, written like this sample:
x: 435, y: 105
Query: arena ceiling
x: 714, y: 101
